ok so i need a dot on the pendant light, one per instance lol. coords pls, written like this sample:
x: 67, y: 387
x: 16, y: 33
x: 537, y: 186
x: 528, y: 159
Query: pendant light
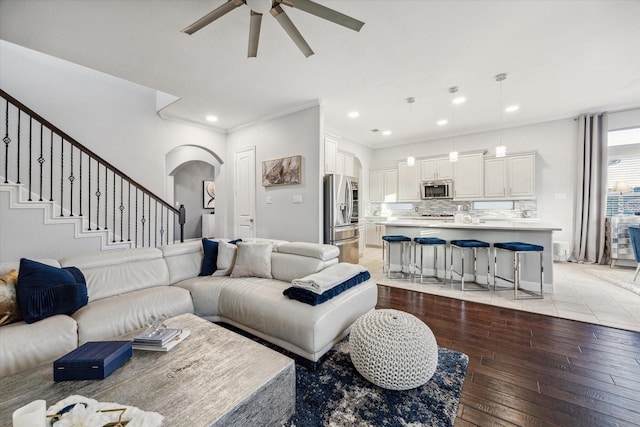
x: 453, y: 155
x: 501, y: 150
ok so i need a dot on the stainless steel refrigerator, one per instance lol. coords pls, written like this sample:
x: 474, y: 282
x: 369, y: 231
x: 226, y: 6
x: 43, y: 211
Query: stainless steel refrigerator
x: 341, y: 216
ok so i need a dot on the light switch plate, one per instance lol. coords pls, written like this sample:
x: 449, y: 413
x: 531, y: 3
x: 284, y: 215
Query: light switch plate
x: 297, y: 199
x: 269, y: 201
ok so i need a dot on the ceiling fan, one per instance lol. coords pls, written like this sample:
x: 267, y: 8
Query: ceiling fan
x: 258, y: 7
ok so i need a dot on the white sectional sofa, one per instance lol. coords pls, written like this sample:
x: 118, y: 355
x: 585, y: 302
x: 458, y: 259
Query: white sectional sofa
x: 127, y: 287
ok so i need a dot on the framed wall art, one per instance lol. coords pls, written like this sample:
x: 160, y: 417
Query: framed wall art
x: 208, y: 195
x: 284, y: 171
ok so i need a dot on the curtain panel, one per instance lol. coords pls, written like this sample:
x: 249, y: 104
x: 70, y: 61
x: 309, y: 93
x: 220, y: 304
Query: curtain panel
x: 591, y: 191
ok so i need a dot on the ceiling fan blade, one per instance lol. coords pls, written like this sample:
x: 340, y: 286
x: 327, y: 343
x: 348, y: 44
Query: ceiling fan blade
x: 212, y: 16
x: 291, y: 30
x: 254, y: 34
x: 325, y: 13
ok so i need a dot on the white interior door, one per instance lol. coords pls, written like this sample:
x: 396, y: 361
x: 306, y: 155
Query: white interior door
x: 245, y: 194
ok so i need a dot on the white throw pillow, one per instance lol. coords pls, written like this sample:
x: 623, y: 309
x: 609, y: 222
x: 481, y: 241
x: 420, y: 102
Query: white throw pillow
x: 226, y: 258
x: 253, y: 260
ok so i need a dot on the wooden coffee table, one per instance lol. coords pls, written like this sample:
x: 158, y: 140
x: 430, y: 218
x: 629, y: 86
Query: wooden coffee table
x: 214, y: 377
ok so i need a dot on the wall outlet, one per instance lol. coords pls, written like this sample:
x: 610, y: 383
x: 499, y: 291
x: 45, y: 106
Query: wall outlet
x: 297, y: 199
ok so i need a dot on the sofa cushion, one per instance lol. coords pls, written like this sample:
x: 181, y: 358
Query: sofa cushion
x: 47, y: 340
x: 96, y: 320
x: 259, y: 305
x: 287, y: 267
x: 183, y: 259
x: 253, y: 260
x: 44, y: 291
x: 114, y: 272
x: 312, y: 250
x: 205, y: 292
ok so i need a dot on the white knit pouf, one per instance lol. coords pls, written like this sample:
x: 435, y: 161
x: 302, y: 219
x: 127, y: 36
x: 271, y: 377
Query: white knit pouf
x: 393, y: 349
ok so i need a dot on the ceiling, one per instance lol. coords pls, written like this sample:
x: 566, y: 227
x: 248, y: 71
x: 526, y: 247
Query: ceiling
x: 562, y: 58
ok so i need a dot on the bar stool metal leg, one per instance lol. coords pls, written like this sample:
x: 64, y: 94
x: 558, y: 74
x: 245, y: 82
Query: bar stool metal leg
x: 461, y: 245
x: 518, y: 249
x: 434, y: 243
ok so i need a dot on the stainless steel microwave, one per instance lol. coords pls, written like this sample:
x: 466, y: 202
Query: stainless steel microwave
x: 436, y: 189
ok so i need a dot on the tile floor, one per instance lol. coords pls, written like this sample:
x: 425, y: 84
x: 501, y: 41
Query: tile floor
x: 581, y: 293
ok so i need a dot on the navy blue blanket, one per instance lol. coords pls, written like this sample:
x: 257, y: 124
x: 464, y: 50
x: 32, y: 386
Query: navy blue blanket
x: 311, y: 298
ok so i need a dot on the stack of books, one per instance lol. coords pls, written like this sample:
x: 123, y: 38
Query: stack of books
x: 163, y: 340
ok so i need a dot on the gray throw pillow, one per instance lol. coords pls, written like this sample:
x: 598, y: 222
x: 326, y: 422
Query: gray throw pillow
x: 253, y: 260
x: 226, y: 258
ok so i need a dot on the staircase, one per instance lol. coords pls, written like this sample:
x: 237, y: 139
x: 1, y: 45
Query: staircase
x: 41, y: 167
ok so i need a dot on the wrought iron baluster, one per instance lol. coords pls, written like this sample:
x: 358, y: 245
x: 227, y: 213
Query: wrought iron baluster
x: 89, y: 190
x: 155, y: 228
x: 143, y: 220
x: 7, y: 141
x: 162, y: 209
x: 71, y: 179
x: 51, y: 168
x: 19, y: 131
x: 129, y: 215
x: 41, y: 159
x: 61, y: 175
x: 80, y: 183
x: 98, y: 194
x: 149, y: 227
x: 121, y: 210
x: 136, y: 220
x: 30, y: 153
x: 113, y: 217
x: 106, y: 197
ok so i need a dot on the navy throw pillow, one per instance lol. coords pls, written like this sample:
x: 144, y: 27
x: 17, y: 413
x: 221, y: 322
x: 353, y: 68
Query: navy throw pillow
x: 44, y: 291
x: 210, y: 257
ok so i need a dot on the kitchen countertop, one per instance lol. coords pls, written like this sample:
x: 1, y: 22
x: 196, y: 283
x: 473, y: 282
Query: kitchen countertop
x: 515, y: 224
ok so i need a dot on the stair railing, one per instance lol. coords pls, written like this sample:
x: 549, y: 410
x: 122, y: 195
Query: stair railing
x: 52, y: 166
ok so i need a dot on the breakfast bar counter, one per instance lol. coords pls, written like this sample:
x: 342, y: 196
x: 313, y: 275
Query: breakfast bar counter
x: 490, y: 231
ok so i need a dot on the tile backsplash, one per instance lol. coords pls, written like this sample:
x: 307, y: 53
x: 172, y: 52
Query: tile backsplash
x: 522, y: 209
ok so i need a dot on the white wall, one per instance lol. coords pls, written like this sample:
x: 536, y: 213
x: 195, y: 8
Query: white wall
x: 555, y: 143
x: 114, y: 118
x: 295, y: 134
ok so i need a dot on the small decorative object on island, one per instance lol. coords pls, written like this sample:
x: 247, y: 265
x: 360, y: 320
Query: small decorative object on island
x: 282, y: 171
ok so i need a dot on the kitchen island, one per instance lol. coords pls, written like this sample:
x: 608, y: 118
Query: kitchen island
x: 490, y: 231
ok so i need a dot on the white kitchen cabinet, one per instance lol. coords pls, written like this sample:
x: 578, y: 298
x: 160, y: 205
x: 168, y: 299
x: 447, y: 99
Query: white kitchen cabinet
x: 390, y: 185
x: 362, y: 230
x: 376, y: 186
x: 374, y: 234
x: 349, y: 168
x: 383, y: 185
x: 408, y: 182
x: 439, y: 168
x: 512, y: 176
x: 330, y: 152
x: 469, y: 176
x: 340, y: 164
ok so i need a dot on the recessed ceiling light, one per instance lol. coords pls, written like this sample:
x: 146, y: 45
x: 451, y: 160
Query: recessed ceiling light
x: 354, y: 114
x: 512, y: 108
x: 386, y: 132
x: 442, y: 122
x: 212, y: 118
x: 459, y: 100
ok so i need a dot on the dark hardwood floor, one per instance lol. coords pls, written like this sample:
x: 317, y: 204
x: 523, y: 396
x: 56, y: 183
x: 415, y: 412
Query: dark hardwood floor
x: 528, y: 369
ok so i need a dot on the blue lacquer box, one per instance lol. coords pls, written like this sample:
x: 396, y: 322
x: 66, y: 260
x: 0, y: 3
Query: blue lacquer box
x: 94, y: 360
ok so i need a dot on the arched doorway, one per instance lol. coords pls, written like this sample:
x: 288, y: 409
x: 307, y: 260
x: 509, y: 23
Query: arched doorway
x: 187, y: 166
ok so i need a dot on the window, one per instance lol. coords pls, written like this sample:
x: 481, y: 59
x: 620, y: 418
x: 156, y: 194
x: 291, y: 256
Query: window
x: 623, y: 179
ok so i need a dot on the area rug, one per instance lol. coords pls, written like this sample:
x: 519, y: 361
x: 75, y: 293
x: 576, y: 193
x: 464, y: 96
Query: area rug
x: 335, y: 394
x: 619, y: 278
